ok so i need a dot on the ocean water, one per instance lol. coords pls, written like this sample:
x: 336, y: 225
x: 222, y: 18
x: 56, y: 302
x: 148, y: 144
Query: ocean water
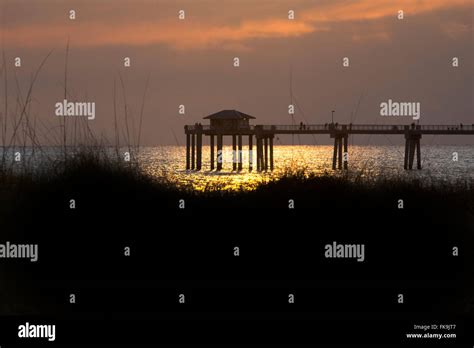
x: 369, y: 162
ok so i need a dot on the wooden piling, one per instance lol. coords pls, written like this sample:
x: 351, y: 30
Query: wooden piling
x: 345, y: 154
x: 412, y: 153
x: 407, y: 151
x: 334, y: 156
x: 188, y: 150
x: 271, y: 152
x: 418, y: 154
x: 339, y: 164
x: 259, y: 154
x: 212, y: 150
x: 220, y: 155
x: 239, y: 154
x: 234, y: 153
x: 193, y: 151
x: 257, y: 151
x: 250, y: 153
x: 265, y: 140
x: 199, y: 151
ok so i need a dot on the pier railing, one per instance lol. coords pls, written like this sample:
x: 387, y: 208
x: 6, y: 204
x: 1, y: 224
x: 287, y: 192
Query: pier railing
x: 330, y: 127
x: 370, y: 127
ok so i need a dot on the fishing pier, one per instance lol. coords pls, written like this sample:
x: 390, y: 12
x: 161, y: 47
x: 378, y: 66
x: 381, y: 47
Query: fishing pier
x: 237, y: 125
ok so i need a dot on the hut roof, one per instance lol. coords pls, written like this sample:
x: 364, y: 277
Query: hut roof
x: 229, y: 115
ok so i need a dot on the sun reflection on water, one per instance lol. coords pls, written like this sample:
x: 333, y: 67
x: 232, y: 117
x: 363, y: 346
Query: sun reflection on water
x: 370, y: 162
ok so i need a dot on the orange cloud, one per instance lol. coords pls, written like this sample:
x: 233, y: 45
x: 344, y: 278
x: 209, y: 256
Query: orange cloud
x: 195, y: 34
x: 370, y: 9
x: 178, y: 35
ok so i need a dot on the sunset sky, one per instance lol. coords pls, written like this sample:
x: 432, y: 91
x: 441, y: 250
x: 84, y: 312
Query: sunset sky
x: 190, y: 61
